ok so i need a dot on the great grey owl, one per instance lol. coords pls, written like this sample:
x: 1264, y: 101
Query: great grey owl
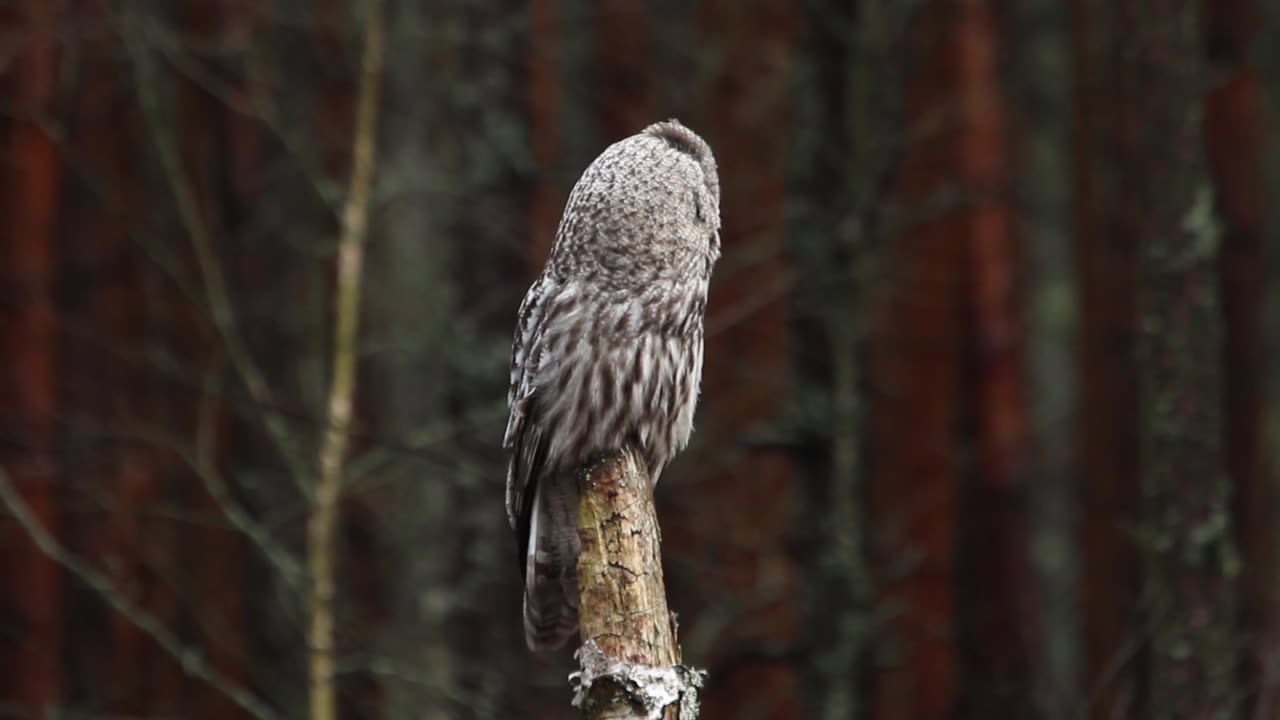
x: 608, y: 348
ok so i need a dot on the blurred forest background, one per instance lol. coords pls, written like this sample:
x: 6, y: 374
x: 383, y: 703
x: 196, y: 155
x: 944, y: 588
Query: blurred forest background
x: 989, y: 422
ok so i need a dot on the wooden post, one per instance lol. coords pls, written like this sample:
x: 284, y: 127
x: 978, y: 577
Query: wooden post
x: 629, y: 654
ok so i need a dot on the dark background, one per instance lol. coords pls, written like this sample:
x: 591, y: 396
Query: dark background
x: 989, y: 422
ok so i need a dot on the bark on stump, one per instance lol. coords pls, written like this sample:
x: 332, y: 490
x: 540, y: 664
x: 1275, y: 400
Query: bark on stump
x: 629, y: 655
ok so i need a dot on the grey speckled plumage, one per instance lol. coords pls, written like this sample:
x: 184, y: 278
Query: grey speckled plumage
x: 608, y: 347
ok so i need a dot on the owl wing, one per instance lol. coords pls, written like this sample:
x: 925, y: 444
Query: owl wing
x: 524, y: 436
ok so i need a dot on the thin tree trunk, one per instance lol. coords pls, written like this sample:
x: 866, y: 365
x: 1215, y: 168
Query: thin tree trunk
x: 1187, y: 524
x: 215, y: 551
x: 322, y: 525
x: 747, y: 123
x: 29, y: 667
x: 623, y: 60
x: 833, y: 245
x: 415, y: 305
x: 1001, y: 620
x: 546, y: 96
x: 1034, y: 67
x: 1235, y: 144
x: 106, y: 316
x: 1106, y: 230
x: 913, y: 368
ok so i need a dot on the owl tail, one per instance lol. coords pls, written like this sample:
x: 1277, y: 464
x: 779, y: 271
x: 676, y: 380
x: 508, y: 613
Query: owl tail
x: 551, y: 571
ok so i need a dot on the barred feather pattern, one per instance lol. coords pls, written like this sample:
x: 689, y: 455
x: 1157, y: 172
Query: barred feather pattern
x: 608, y: 348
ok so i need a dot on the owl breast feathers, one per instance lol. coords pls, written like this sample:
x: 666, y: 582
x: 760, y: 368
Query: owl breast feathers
x: 608, y: 348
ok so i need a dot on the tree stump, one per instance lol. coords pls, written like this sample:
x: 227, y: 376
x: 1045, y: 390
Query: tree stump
x: 629, y: 655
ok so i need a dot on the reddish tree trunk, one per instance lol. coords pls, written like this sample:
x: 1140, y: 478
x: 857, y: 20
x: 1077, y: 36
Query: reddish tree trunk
x: 210, y: 553
x: 623, y: 59
x: 1106, y: 245
x: 914, y: 369
x: 912, y: 481
x: 30, y: 614
x: 1234, y: 139
x: 955, y: 290
x: 546, y: 95
x: 745, y: 378
x: 1003, y: 627
x: 106, y: 318
x: 334, y: 99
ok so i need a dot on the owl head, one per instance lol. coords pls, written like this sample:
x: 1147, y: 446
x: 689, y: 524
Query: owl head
x: 646, y: 210
x: 685, y: 141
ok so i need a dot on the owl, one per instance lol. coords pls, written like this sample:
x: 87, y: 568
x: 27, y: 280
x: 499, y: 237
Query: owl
x: 608, y: 348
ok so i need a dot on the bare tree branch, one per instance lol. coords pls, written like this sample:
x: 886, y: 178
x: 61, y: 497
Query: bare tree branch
x: 323, y: 522
x: 193, y: 663
x: 200, y: 461
x: 215, y: 285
